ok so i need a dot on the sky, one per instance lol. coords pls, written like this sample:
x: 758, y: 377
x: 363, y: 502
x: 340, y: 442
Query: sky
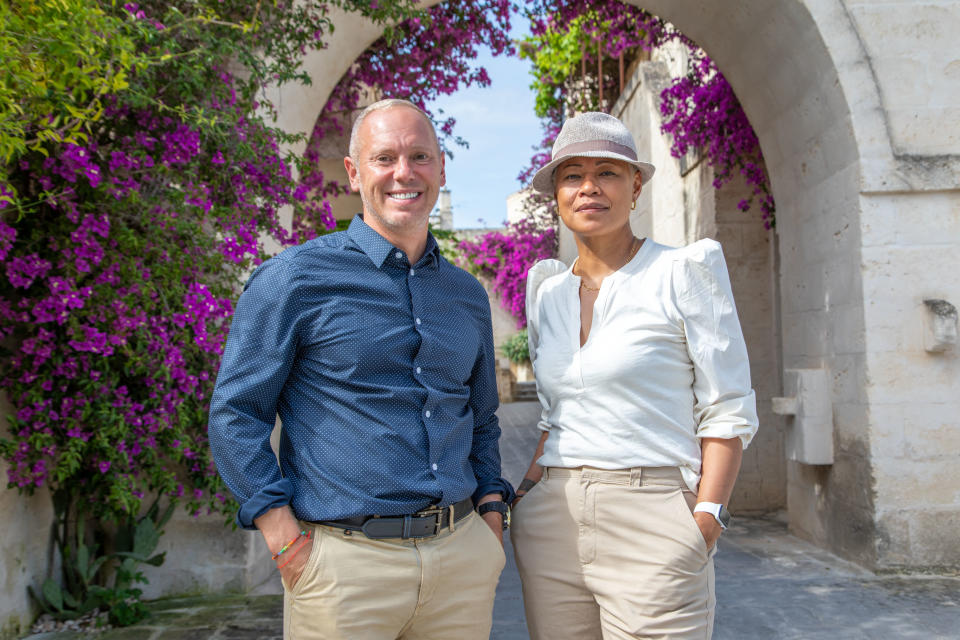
x: 499, y: 123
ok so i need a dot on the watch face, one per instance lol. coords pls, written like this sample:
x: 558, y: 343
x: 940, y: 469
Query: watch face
x: 724, y: 516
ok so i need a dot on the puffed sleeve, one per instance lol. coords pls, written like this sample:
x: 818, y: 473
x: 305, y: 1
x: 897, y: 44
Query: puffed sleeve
x: 536, y: 276
x: 725, y: 405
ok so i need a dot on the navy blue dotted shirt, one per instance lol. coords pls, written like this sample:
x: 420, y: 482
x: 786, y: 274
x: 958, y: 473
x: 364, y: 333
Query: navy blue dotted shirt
x: 382, y: 374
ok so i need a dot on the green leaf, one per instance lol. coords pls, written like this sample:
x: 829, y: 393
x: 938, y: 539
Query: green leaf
x: 83, y: 562
x: 53, y: 594
x: 69, y: 600
x: 157, y: 560
x: 146, y: 538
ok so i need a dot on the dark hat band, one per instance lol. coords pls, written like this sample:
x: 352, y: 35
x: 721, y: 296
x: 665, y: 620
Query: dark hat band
x: 596, y: 145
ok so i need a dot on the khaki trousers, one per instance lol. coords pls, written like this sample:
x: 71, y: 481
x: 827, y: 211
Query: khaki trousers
x: 613, y: 555
x: 356, y: 588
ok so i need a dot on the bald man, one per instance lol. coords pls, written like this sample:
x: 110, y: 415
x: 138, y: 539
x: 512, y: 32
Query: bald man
x: 386, y: 511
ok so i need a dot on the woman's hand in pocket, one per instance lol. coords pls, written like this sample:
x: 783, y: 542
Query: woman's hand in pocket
x: 709, y: 528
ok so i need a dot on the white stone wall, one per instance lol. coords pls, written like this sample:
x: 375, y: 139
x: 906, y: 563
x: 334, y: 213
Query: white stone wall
x: 912, y: 46
x: 911, y: 252
x: 26, y: 547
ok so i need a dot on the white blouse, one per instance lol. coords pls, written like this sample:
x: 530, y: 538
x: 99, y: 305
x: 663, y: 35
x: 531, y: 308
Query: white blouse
x: 664, y: 365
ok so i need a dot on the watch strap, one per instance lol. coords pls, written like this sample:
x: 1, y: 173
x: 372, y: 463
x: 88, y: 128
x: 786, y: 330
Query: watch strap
x: 500, y: 507
x: 718, y: 511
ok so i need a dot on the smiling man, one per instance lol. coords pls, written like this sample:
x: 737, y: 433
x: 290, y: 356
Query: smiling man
x: 377, y: 355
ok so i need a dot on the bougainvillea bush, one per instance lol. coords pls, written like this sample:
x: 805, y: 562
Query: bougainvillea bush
x: 133, y: 199
x: 505, y: 257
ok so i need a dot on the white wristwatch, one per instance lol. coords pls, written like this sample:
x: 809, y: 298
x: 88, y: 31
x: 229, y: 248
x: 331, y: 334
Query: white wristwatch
x: 718, y: 511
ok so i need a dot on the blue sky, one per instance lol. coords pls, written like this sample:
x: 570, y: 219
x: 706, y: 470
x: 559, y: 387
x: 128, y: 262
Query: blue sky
x: 499, y: 123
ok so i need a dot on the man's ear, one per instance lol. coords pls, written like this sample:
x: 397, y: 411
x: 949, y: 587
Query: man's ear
x: 352, y: 174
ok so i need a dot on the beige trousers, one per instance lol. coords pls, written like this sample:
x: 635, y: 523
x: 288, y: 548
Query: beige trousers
x: 436, y: 588
x: 613, y: 555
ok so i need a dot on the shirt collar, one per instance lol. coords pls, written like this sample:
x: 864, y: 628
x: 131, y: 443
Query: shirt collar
x: 378, y: 248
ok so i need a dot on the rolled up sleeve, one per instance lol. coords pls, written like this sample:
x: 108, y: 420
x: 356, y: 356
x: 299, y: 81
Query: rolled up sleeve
x: 725, y: 404
x: 258, y: 356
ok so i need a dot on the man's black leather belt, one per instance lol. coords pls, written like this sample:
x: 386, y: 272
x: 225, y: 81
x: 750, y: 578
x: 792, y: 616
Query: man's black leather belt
x: 422, y: 524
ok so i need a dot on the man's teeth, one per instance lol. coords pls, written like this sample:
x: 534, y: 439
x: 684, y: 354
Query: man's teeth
x: 404, y: 196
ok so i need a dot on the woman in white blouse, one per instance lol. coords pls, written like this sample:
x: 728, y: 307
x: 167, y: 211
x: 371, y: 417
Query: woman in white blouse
x: 643, y: 376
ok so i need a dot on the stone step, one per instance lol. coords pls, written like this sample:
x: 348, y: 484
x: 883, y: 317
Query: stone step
x: 525, y: 391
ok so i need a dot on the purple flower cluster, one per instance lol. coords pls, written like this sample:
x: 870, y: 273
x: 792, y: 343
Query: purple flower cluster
x: 506, y: 257
x: 701, y: 111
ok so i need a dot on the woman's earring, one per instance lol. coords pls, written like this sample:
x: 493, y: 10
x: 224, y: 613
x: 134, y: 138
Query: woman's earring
x: 633, y: 206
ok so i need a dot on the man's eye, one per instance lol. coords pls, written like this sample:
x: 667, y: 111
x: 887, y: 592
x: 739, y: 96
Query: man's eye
x: 421, y: 157
x: 383, y: 159
x: 570, y: 177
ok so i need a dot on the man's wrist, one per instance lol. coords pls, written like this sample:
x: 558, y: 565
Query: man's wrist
x: 496, y: 506
x: 278, y: 526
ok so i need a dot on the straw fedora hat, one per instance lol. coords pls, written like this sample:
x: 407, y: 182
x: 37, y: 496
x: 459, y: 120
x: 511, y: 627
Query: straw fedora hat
x: 592, y: 135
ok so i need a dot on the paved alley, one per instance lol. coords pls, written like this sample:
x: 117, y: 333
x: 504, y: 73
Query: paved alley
x: 770, y: 586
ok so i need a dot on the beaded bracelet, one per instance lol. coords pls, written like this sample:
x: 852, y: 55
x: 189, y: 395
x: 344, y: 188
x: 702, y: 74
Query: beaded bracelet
x: 306, y: 539
x: 287, y: 546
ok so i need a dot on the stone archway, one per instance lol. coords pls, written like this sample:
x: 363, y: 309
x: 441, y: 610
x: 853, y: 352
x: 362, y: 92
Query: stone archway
x: 843, y: 162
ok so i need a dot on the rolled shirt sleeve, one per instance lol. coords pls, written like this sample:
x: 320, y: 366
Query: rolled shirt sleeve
x: 258, y: 356
x: 725, y: 404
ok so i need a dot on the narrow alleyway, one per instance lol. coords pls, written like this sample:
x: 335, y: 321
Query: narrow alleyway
x: 770, y: 586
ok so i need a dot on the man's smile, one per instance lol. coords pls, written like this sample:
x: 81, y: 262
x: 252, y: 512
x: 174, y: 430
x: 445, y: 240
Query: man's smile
x: 405, y: 195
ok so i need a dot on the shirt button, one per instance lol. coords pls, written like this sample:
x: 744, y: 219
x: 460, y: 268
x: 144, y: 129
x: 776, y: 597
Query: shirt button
x: 434, y: 466
x: 418, y: 320
x: 399, y: 255
x: 412, y: 272
x: 427, y: 413
x: 418, y: 369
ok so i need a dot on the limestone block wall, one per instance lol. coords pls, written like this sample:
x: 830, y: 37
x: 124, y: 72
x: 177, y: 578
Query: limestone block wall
x: 910, y: 230
x: 206, y: 556
x: 911, y: 252
x: 913, y: 53
x: 750, y: 252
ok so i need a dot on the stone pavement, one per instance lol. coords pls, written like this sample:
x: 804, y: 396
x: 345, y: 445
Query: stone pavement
x: 770, y: 586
